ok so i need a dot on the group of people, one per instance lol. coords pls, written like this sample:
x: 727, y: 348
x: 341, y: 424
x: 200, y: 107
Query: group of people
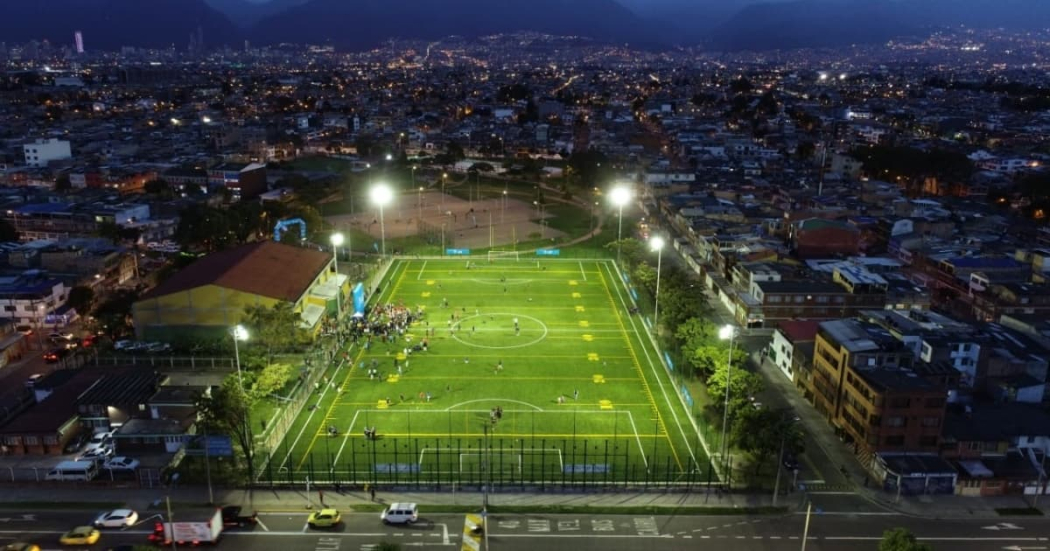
x: 495, y: 414
x: 370, y: 433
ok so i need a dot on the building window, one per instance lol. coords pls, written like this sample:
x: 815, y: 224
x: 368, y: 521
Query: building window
x: 896, y: 422
x: 900, y: 402
x: 934, y: 403
x: 931, y: 421
x: 32, y: 441
x: 928, y: 441
x: 896, y: 440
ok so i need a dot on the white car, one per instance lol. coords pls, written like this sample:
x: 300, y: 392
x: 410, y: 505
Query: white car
x: 122, y: 463
x: 119, y: 518
x: 100, y: 440
x: 123, y: 345
x: 96, y: 454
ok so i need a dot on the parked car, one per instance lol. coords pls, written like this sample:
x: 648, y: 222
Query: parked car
x: 21, y: 546
x: 122, y: 463
x: 231, y: 516
x: 24, y: 329
x: 96, y: 454
x: 123, y: 344
x: 101, y: 439
x: 118, y: 518
x: 157, y: 347
x: 81, y: 535
x: 89, y: 341
x: 78, y: 442
x: 55, y: 355
x: 33, y: 379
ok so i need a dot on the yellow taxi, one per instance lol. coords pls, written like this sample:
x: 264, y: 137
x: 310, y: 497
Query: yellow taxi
x: 324, y: 518
x: 81, y: 535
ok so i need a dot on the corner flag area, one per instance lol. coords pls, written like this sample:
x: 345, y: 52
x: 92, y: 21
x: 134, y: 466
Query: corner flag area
x: 512, y: 371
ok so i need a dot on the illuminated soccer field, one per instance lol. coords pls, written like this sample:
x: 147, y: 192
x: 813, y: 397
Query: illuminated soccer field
x: 583, y: 395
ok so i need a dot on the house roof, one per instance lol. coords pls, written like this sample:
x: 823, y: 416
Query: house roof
x: 798, y: 331
x: 996, y: 422
x: 55, y: 410
x: 264, y: 268
x: 121, y: 389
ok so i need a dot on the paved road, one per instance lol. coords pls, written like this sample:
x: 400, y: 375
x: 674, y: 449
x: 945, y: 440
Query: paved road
x: 288, y: 532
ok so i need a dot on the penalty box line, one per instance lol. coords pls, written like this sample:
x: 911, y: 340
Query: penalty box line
x: 519, y: 454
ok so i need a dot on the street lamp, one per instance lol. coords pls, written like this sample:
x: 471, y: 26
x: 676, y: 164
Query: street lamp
x: 239, y: 334
x: 381, y: 195
x: 419, y: 201
x: 337, y: 241
x: 539, y: 206
x: 620, y: 195
x: 657, y: 244
x: 444, y: 177
x: 727, y: 332
x: 502, y: 206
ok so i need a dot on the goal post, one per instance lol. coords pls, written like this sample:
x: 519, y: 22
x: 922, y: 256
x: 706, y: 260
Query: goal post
x: 494, y: 255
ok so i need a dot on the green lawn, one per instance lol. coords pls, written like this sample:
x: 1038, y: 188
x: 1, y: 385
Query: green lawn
x: 627, y: 424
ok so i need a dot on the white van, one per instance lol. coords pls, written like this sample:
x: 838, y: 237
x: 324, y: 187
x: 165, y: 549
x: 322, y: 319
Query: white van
x: 400, y: 513
x: 74, y: 470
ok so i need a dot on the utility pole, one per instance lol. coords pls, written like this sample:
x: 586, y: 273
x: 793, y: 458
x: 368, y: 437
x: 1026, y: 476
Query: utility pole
x: 805, y: 531
x: 170, y: 528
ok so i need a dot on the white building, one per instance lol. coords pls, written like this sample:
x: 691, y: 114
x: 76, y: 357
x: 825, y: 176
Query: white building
x: 41, y: 152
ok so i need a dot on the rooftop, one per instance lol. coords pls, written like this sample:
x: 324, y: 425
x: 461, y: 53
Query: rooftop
x: 265, y: 268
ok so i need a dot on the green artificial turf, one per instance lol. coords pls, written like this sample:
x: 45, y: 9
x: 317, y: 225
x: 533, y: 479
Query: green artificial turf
x: 627, y: 424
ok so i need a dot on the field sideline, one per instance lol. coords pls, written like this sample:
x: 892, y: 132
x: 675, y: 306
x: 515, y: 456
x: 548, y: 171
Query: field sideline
x: 581, y: 392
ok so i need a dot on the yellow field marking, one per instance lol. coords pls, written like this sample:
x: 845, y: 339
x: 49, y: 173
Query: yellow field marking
x: 638, y: 368
x: 577, y: 295
x: 592, y: 356
x: 588, y: 338
x: 393, y: 378
x: 400, y: 356
x: 425, y: 294
x: 381, y: 404
x: 584, y: 323
x: 349, y: 373
x: 605, y: 404
x: 579, y: 307
x: 598, y: 379
x: 573, y: 282
x: 431, y: 282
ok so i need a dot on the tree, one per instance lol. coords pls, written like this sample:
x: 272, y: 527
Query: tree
x: 226, y: 411
x: 114, y: 313
x: 80, y: 299
x: 269, y: 380
x: 7, y: 232
x: 157, y: 187
x: 761, y: 432
x: 900, y: 539
x: 277, y: 327
x: 62, y: 183
x: 742, y: 383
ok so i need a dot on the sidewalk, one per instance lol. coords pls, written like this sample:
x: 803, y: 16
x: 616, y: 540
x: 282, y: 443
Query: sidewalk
x: 283, y: 500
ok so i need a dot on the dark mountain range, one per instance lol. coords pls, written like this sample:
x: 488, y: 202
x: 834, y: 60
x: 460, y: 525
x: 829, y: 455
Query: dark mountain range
x: 812, y: 24
x: 836, y: 23
x: 245, y: 13
x: 366, y: 23
x: 110, y: 24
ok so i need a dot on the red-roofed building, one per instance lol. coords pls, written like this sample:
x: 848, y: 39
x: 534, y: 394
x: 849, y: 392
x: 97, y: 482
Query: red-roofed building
x: 208, y: 297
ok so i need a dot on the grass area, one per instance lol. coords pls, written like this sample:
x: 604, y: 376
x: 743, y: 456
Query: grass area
x: 1019, y: 511
x: 575, y: 337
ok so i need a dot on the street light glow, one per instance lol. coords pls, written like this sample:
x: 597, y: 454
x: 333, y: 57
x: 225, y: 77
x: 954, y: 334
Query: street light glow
x: 656, y: 243
x: 240, y: 333
x: 381, y: 195
x: 337, y: 239
x: 726, y: 332
x: 620, y: 195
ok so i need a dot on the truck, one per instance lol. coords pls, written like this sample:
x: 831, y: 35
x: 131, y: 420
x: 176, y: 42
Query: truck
x: 207, y: 529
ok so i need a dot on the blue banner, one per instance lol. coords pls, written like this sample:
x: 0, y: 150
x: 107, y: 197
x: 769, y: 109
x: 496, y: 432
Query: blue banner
x: 457, y: 252
x: 686, y: 396
x: 359, y: 299
x: 548, y: 252
x: 667, y: 358
x: 217, y: 446
x: 634, y: 293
